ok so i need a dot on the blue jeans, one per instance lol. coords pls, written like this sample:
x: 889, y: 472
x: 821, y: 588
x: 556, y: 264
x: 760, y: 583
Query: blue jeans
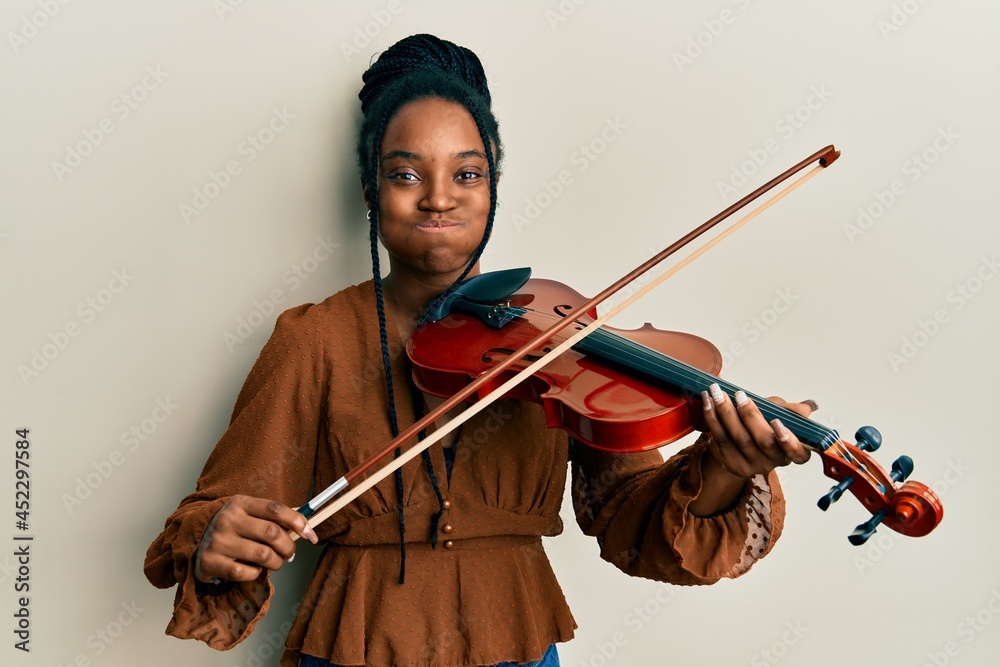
x: 550, y: 659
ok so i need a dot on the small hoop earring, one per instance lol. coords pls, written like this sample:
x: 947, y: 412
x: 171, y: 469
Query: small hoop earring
x: 369, y: 215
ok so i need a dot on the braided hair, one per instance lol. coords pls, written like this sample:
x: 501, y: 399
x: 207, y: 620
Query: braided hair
x: 415, y: 68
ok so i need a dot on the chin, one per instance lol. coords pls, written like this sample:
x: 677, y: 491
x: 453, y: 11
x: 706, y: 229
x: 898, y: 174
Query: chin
x: 445, y: 263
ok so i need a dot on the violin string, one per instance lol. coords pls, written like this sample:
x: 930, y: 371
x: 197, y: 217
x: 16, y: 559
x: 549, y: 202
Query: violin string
x: 642, y: 357
x: 859, y: 466
x: 638, y: 356
x: 805, y: 426
x: 702, y: 380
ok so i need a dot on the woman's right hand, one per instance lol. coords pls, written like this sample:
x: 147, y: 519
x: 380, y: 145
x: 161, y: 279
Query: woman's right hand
x: 247, y: 535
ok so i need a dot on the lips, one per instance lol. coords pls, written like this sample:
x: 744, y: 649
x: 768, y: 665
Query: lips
x: 439, y: 225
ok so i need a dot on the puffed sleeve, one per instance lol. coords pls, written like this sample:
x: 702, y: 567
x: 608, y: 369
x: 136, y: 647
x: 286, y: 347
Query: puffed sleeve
x: 637, y: 507
x: 268, y: 451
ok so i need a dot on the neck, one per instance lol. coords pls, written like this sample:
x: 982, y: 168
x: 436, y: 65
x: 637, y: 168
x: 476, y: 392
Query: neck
x: 407, y: 294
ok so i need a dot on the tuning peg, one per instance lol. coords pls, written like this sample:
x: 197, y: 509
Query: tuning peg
x: 834, y: 493
x: 901, y: 468
x: 866, y: 529
x: 869, y: 439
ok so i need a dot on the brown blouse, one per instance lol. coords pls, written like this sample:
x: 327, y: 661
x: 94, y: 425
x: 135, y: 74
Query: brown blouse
x: 314, y: 406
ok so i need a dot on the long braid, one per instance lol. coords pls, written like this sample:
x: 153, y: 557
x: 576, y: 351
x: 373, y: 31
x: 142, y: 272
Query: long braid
x: 383, y: 335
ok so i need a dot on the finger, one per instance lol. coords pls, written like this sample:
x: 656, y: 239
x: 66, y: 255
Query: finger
x: 269, y: 534
x: 253, y: 530
x: 725, y: 452
x: 233, y: 540
x: 251, y: 544
x: 215, y: 565
x: 804, y: 408
x: 790, y: 444
x: 282, y: 515
x: 764, y: 436
x: 199, y: 572
x: 738, y: 432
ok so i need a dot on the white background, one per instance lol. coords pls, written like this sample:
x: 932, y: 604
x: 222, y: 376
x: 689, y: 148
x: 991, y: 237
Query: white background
x: 695, y: 90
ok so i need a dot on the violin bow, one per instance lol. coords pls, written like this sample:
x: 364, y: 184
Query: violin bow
x: 320, y: 507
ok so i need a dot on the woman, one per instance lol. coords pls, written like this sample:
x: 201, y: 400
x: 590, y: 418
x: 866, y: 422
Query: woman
x: 332, y: 386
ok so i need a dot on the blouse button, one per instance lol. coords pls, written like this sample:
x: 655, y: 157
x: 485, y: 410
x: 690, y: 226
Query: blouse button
x: 447, y: 504
x: 448, y: 544
x: 447, y: 528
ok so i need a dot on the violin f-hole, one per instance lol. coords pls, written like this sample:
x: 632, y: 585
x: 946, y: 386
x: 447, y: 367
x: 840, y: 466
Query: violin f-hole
x: 491, y: 355
x: 562, y: 309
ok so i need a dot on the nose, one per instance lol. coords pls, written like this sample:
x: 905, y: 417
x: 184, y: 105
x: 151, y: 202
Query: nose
x: 439, y: 194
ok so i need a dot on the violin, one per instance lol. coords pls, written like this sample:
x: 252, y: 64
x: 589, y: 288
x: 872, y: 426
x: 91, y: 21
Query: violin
x: 617, y: 387
x: 635, y: 390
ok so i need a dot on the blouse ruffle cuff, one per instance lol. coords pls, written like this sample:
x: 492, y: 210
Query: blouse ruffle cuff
x: 220, y: 620
x: 726, y: 544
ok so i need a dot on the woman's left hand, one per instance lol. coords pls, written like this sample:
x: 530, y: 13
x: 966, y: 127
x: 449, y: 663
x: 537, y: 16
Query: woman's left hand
x: 743, y: 444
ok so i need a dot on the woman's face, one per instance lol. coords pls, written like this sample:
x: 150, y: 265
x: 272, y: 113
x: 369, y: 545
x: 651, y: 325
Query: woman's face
x: 434, y: 193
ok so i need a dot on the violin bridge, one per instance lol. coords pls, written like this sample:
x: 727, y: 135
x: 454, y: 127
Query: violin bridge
x: 501, y: 315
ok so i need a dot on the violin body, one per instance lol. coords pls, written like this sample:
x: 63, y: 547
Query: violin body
x: 596, y: 402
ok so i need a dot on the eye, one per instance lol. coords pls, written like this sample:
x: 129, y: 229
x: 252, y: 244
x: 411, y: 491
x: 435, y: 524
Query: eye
x: 469, y: 175
x: 402, y: 176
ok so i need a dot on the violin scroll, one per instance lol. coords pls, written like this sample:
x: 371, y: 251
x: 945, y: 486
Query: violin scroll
x: 908, y: 507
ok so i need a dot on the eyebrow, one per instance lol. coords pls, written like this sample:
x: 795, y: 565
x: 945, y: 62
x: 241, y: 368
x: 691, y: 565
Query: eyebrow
x: 416, y: 156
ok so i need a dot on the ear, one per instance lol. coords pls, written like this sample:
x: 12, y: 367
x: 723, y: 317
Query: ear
x: 364, y: 190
